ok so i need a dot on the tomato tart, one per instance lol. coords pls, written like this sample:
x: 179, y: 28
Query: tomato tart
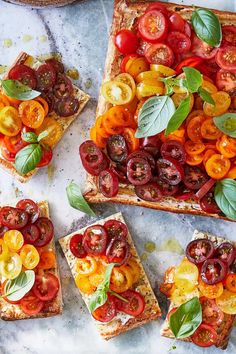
x: 108, y: 272
x: 29, y: 274
x: 164, y: 136
x: 207, y: 275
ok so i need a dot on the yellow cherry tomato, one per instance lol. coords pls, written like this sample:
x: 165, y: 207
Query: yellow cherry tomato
x: 135, y: 269
x: 179, y: 97
x: 116, y: 92
x: 54, y: 130
x: 32, y: 113
x: 11, y: 267
x: 10, y: 122
x: 86, y: 266
x: 148, y: 75
x: 136, y: 66
x: 121, y: 279
x: 84, y: 285
x: 186, y: 276
x: 227, y: 302
x: 13, y: 239
x: 179, y: 297
x: 222, y: 102
x: 97, y: 277
x: 145, y: 90
x: 217, y: 166
x: 29, y: 256
x: 4, y: 251
x: 128, y: 80
x: 162, y: 69
x: 210, y: 291
x: 209, y: 87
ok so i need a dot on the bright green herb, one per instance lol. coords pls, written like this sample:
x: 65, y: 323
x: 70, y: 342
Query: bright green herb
x: 28, y: 158
x: 226, y: 123
x: 225, y: 197
x: 76, y: 199
x: 15, y: 289
x: 179, y: 116
x: 205, y: 95
x: 15, y: 89
x: 193, y: 79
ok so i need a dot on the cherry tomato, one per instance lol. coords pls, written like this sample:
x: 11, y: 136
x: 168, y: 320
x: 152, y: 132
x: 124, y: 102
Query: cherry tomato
x: 230, y: 282
x: 202, y: 49
x: 134, y: 268
x: 4, y: 251
x: 117, y: 93
x: 145, y: 89
x: 31, y: 113
x: 106, y: 312
x: 29, y: 256
x: 117, y: 148
x: 205, y: 188
x: 151, y: 144
x: 84, y: 284
x: 30, y: 207
x: 217, y: 166
x: 13, y: 218
x: 91, y: 157
x: 209, y: 130
x: 95, y: 240
x: 208, y: 204
x: 226, y: 302
x: 194, y: 128
x: 194, y: 177
x: 46, y: 77
x: 11, y: 267
x: 150, y: 192
x: 125, y: 61
x: 153, y: 26
x: 24, y: 74
x: 63, y: 87
x: 210, y: 291
x: 178, y: 41
x: 56, y: 64
x: 131, y: 140
x: 6, y: 154
x: 160, y: 54
x: 186, y: 276
x: 138, y: 171
x: 76, y: 246
x: 226, y: 80
x: 118, y: 250
x: 211, y: 313
x: 173, y: 149
x: 47, y: 156
x: 170, y: 171
x: 46, y: 286
x: 199, y: 250
x: 10, y: 122
x: 46, y: 229
x: 30, y: 304
x: 204, y: 336
x: 13, y: 239
x: 184, y: 193
x: 194, y: 160
x: 126, y: 42
x: 229, y: 35
x: 192, y: 61
x: 47, y: 260
x: 213, y: 271
x: 121, y: 279
x: 222, y: 102
x: 67, y: 106
x: 226, y: 58
x: 135, y: 305
x: 226, y: 252
x: 14, y: 143
x: 177, y: 23
x: 120, y: 171
x: 115, y: 228
x: 142, y: 155
x: 54, y: 130
x: 135, y: 66
x: 50, y: 99
x: 86, y: 266
x: 194, y: 148
x: 108, y: 183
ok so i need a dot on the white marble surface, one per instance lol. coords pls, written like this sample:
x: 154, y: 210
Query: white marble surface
x: 79, y: 32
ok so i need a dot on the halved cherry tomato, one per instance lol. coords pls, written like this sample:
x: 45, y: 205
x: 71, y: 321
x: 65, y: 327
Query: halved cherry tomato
x: 31, y: 113
x: 96, y: 279
x: 14, y: 143
x: 125, y: 61
x: 47, y: 260
x: 211, y: 313
x: 210, y: 291
x: 83, y: 283
x: 30, y: 304
x: 179, y: 97
x: 76, y: 246
x: 177, y: 22
x: 192, y: 61
x: 227, y: 302
x: 10, y: 122
x: 217, y: 166
x: 13, y: 239
x: 162, y: 70
x: 230, y: 282
x: 226, y: 80
x: 46, y: 286
x: 86, y: 266
x: 7, y: 155
x: 222, y: 103
x: 56, y: 64
x: 160, y: 54
x: 213, y: 271
x: 91, y: 157
x: 231, y: 173
x: 151, y: 145
x: 199, y: 250
x: 194, y: 148
x: 46, y: 77
x: 115, y: 228
x: 11, y: 267
x: 46, y: 231
x: 146, y: 90
x: 209, y: 87
x: 194, y: 177
x: 226, y: 252
x: 209, y: 130
x: 153, y: 26
x: 95, y: 240
x: 194, y: 128
x: 117, y: 92
x: 135, y: 66
x: 44, y: 103
x: 170, y: 171
x: 63, y: 87
x: 24, y: 74
x: 138, y: 171
x: 54, y: 130
x: 194, y: 160
x: 204, y: 336
x: 106, y: 312
x: 111, y: 127
x: 135, y: 305
x: 13, y: 218
x: 29, y: 256
x: 208, y: 203
x: 4, y: 251
x: 132, y: 142
x: 47, y: 156
x: 202, y: 49
x: 128, y: 80
x: 150, y: 76
x: 121, y: 279
x: 184, y: 193
x: 126, y: 41
x: 174, y: 150
x: 30, y: 207
x: 150, y: 192
x: 67, y: 106
x: 226, y: 146
x: 118, y: 250
x: 131, y: 106
x: 108, y: 183
x: 186, y: 276
x: 117, y: 148
x: 134, y: 267
x: 178, y: 41
x: 229, y: 35
x: 226, y: 58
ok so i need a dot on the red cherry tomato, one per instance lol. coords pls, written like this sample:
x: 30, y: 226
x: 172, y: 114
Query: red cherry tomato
x: 30, y: 304
x: 30, y: 207
x: 126, y: 42
x: 174, y: 150
x: 204, y: 336
x: 106, y: 312
x: 194, y: 177
x: 226, y: 252
x: 135, y: 305
x: 120, y: 171
x: 143, y: 155
x: 118, y: 250
x: 160, y: 53
x: 199, y: 250
x: 226, y: 58
x: 56, y: 64
x: 13, y: 218
x: 153, y: 26
x: 208, y: 204
x: 46, y: 229
x: 63, y: 86
x: 95, y: 240
x: 91, y: 157
x: 213, y: 271
x: 150, y: 192
x: 108, y: 183
x: 170, y: 171
x: 226, y: 80
x: 14, y: 143
x: 67, y: 106
x: 184, y: 193
x: 6, y: 154
x: 192, y: 61
x: 166, y: 188
x: 117, y: 148
x: 138, y: 171
x: 76, y: 246
x: 229, y: 35
x: 187, y: 29
x: 151, y: 145
x: 211, y: 313
x: 24, y: 74
x: 47, y: 155
x: 31, y: 234
x: 177, y: 22
x: 178, y: 41
x: 46, y: 286
x: 115, y: 228
x: 205, y: 188
x: 202, y: 49
x: 46, y: 77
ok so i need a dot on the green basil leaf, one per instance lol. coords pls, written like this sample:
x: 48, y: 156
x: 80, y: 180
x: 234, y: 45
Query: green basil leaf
x: 15, y: 289
x: 154, y: 116
x: 193, y: 79
x: 172, y: 81
x: 207, y: 27
x: 186, y: 319
x: 30, y: 137
x: 15, y: 89
x: 225, y: 197
x: 28, y: 158
x: 226, y: 123
x: 206, y: 96
x: 179, y: 116
x: 42, y: 135
x: 76, y: 199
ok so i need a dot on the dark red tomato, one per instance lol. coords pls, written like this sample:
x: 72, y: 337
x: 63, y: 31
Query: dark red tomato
x: 138, y: 171
x: 31, y: 233
x: 157, y: 6
x: 63, y: 86
x: 13, y: 218
x: 125, y: 61
x: 95, y: 240
x: 106, y: 312
x: 199, y: 250
x: 30, y: 207
x: 51, y: 100
x: 6, y: 154
x: 167, y: 189
x: 24, y: 74
x: 208, y: 204
x: 184, y: 193
x: 209, y: 68
x: 151, y: 145
x: 108, y: 183
x: 143, y: 155
x: 126, y: 41
x: 14, y: 143
x: 194, y: 177
x: 47, y: 156
x: 229, y: 35
x: 160, y: 53
x: 226, y: 80
x: 120, y: 171
x: 204, y: 336
x: 30, y: 304
x: 135, y: 305
x: 205, y: 188
x: 118, y: 250
x: 46, y: 77
x: 115, y: 228
x: 76, y: 246
x: 91, y: 157
x: 46, y: 286
x: 153, y: 26
x: 226, y: 252
x: 211, y: 313
x: 178, y: 41
x: 226, y: 58
x: 177, y: 22
x: 170, y: 171
x: 192, y: 61
x: 173, y: 149
x: 46, y: 231
x: 117, y: 148
x: 150, y: 192
x: 67, y: 106
x: 202, y: 49
x: 213, y: 271
x: 56, y: 64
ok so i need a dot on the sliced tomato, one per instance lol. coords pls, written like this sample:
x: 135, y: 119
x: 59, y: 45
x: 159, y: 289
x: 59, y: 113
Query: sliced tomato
x: 226, y: 58
x: 126, y: 41
x: 229, y: 35
x: 217, y: 166
x: 6, y: 154
x: 63, y: 87
x: 115, y: 228
x: 192, y: 61
x: 199, y: 250
x: 173, y: 149
x: 13, y: 218
x: 150, y: 192
x: 135, y: 305
x: 226, y: 252
x: 30, y: 304
x: 76, y: 246
x: 31, y: 233
x: 177, y: 22
x: 230, y: 282
x: 125, y: 61
x: 210, y: 291
x: 91, y: 157
x: 226, y: 81
x: 211, y: 313
x: 204, y: 336
x: 151, y: 144
x: 213, y: 271
x: 46, y: 229
x: 106, y: 312
x: 46, y: 286
x: 143, y: 155
x: 170, y: 171
x: 56, y: 64
x: 108, y: 183
x: 194, y: 177
x: 46, y: 77
x: 178, y: 41
x: 24, y: 74
x: 153, y: 26
x: 160, y: 54
x: 95, y: 240
x: 67, y: 106
x: 208, y: 203
x: 118, y: 250
x: 117, y: 148
x: 138, y: 171
x: 14, y: 143
x: 202, y: 49
x: 30, y: 207
x: 47, y: 156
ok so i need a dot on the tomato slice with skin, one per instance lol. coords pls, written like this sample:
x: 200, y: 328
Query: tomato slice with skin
x: 47, y: 156
x: 126, y: 41
x: 135, y: 305
x: 125, y: 61
x: 54, y: 130
x: 31, y: 233
x: 56, y: 64
x: 177, y: 22
x: 151, y: 145
x: 95, y: 240
x: 226, y: 80
x: 174, y: 150
x: 160, y: 54
x: 138, y: 171
x: 106, y: 312
x: 46, y: 229
x: 31, y: 113
x: 30, y: 207
x: 184, y: 193
x: 150, y: 192
x: 192, y: 61
x: 153, y: 26
x: 108, y: 183
x: 115, y: 228
x: 194, y: 177
x: 91, y: 157
x: 46, y: 286
x: 226, y: 58
x: 67, y: 106
x: 202, y: 49
x: 13, y: 218
x: 178, y: 41
x: 143, y: 155
x: 170, y: 171
x: 24, y: 74
x: 76, y: 246
x: 230, y: 282
x: 226, y: 252
x: 131, y: 140
x: 14, y: 143
x: 30, y: 304
x: 63, y: 87
x: 204, y: 336
x: 6, y: 154
x: 205, y: 188
x: 217, y: 166
x: 10, y: 121
x: 117, y: 148
x: 46, y: 77
x: 210, y: 291
x: 199, y: 250
x: 211, y: 313
x: 213, y: 271
x: 208, y: 203
x: 118, y: 250
x: 166, y: 188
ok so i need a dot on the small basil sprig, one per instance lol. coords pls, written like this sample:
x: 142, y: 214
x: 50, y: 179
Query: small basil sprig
x: 172, y: 81
x: 226, y: 123
x: 76, y: 199
x: 205, y: 96
x: 207, y: 26
x: 15, y: 289
x: 179, y: 116
x: 225, y: 197
x: 186, y: 319
x: 17, y: 90
x: 31, y: 137
x: 193, y: 79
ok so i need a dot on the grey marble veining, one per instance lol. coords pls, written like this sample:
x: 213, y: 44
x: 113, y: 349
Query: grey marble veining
x: 79, y: 32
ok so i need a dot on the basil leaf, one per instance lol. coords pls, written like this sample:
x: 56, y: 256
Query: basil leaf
x: 207, y: 27
x: 16, y: 289
x: 179, y: 116
x: 154, y: 116
x: 193, y: 79
x: 171, y: 81
x: 42, y: 135
x: 30, y: 137
x: 225, y: 197
x: 28, y: 158
x: 226, y: 123
x: 206, y: 96
x: 15, y: 89
x: 186, y: 319
x: 76, y: 199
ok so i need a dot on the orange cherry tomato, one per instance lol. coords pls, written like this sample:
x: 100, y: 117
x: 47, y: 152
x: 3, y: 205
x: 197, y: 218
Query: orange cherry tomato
x: 54, y: 130
x: 178, y: 135
x: 194, y: 128
x: 209, y: 86
x: 226, y: 146
x: 4, y: 101
x: 10, y: 121
x: 194, y: 160
x: 193, y: 148
x: 231, y: 173
x: 96, y: 278
x: 179, y: 97
x: 217, y: 166
x: 12, y: 101
x: 210, y: 291
x: 92, y: 133
x: 110, y: 126
x: 84, y: 285
x: 47, y: 260
x: 32, y: 113
x: 207, y: 154
x: 44, y: 103
x: 100, y: 129
x: 209, y: 130
x: 222, y: 102
x: 132, y: 142
x: 131, y: 106
x: 195, y: 113
x: 230, y: 283
x: 135, y: 66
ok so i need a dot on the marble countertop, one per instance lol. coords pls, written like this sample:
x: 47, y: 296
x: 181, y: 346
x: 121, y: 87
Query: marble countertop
x: 79, y: 32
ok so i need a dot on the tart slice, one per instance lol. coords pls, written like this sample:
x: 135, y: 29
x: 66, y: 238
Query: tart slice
x: 103, y: 260
x: 27, y: 248
x: 207, y: 273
